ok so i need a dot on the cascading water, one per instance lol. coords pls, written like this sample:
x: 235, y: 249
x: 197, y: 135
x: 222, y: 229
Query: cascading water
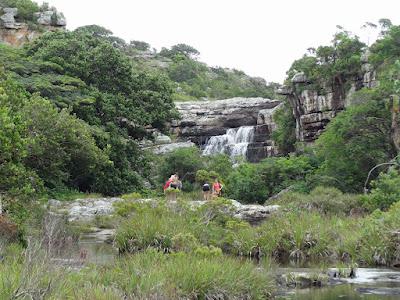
x: 234, y: 142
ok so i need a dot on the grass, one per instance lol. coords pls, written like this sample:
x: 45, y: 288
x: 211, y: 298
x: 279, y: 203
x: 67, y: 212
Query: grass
x: 147, y: 275
x: 301, y: 236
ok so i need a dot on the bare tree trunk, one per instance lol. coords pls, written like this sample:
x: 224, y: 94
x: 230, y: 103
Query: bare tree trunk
x: 395, y: 129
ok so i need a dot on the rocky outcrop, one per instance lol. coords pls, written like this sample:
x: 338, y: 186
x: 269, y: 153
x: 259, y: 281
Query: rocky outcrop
x: 166, y: 148
x: 51, y: 18
x: 313, y: 109
x: 200, y: 120
x: 15, y: 33
x: 263, y: 146
x: 88, y: 209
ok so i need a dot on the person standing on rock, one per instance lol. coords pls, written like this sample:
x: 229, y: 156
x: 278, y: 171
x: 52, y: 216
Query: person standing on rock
x: 206, y: 191
x: 217, y: 188
x: 172, y: 187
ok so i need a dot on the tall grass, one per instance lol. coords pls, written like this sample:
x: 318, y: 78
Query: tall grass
x: 150, y: 275
x: 299, y: 235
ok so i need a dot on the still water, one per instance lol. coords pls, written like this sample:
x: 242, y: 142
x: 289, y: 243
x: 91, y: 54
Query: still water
x: 369, y: 284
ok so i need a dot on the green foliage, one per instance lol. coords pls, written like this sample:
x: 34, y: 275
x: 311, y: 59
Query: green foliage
x: 285, y: 136
x: 143, y: 99
x: 385, y: 191
x: 386, y: 49
x: 180, y: 50
x: 245, y: 184
x: 155, y: 275
x: 256, y: 183
x: 18, y: 184
x: 332, y: 67
x: 203, y: 176
x: 354, y: 142
x: 63, y: 151
x: 184, y: 161
x: 325, y: 200
x: 221, y: 164
x: 26, y: 8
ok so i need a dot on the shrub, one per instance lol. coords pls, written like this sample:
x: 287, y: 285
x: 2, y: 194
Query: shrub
x: 185, y: 162
x: 245, y: 184
x: 323, y: 200
x: 385, y: 191
x: 353, y: 143
x: 254, y: 183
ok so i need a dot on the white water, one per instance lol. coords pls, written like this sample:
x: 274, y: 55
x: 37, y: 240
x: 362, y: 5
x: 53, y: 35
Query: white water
x: 234, y: 142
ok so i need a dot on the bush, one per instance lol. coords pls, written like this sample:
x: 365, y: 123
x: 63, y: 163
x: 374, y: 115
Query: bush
x: 324, y: 200
x: 385, y: 191
x: 185, y: 162
x: 353, y: 143
x: 254, y: 183
x: 245, y: 184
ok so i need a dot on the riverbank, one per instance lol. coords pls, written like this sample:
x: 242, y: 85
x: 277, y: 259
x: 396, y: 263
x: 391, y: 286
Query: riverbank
x: 151, y: 249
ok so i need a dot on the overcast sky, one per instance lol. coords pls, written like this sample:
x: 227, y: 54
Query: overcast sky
x: 260, y: 37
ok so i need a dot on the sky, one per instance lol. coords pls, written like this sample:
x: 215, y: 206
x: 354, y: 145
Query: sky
x: 260, y: 37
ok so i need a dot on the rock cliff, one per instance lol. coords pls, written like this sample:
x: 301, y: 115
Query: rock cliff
x: 313, y: 110
x: 15, y: 33
x: 203, y: 119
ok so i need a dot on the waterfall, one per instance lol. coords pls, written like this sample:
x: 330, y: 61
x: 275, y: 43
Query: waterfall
x: 234, y: 142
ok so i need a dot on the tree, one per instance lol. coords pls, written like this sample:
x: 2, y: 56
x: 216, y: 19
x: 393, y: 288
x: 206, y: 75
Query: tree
x: 62, y: 150
x: 180, y: 49
x: 355, y: 141
x: 140, y: 45
x: 285, y: 133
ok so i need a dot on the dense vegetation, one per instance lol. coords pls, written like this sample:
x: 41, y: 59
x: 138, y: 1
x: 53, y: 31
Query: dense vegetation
x: 74, y: 106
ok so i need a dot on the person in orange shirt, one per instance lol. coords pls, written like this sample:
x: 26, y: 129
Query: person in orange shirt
x: 217, y: 188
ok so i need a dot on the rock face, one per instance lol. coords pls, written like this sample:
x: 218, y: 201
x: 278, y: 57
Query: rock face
x: 51, y: 18
x: 202, y: 120
x: 313, y: 110
x: 16, y: 33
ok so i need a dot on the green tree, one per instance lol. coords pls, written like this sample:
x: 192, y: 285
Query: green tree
x: 385, y: 191
x: 62, y: 150
x: 185, y: 162
x: 285, y: 133
x: 354, y: 142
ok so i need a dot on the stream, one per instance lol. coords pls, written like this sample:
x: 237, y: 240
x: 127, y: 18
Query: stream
x: 369, y: 283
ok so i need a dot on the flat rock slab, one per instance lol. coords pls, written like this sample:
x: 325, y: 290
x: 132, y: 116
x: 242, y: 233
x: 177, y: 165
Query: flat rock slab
x: 88, y: 209
x: 84, y: 209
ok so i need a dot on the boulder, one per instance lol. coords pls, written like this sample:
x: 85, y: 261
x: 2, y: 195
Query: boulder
x: 299, y: 78
x: 162, y: 139
x: 8, y: 18
x: 84, y: 209
x: 51, y: 18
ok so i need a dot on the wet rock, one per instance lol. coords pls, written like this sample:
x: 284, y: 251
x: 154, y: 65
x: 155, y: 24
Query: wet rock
x: 203, y: 119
